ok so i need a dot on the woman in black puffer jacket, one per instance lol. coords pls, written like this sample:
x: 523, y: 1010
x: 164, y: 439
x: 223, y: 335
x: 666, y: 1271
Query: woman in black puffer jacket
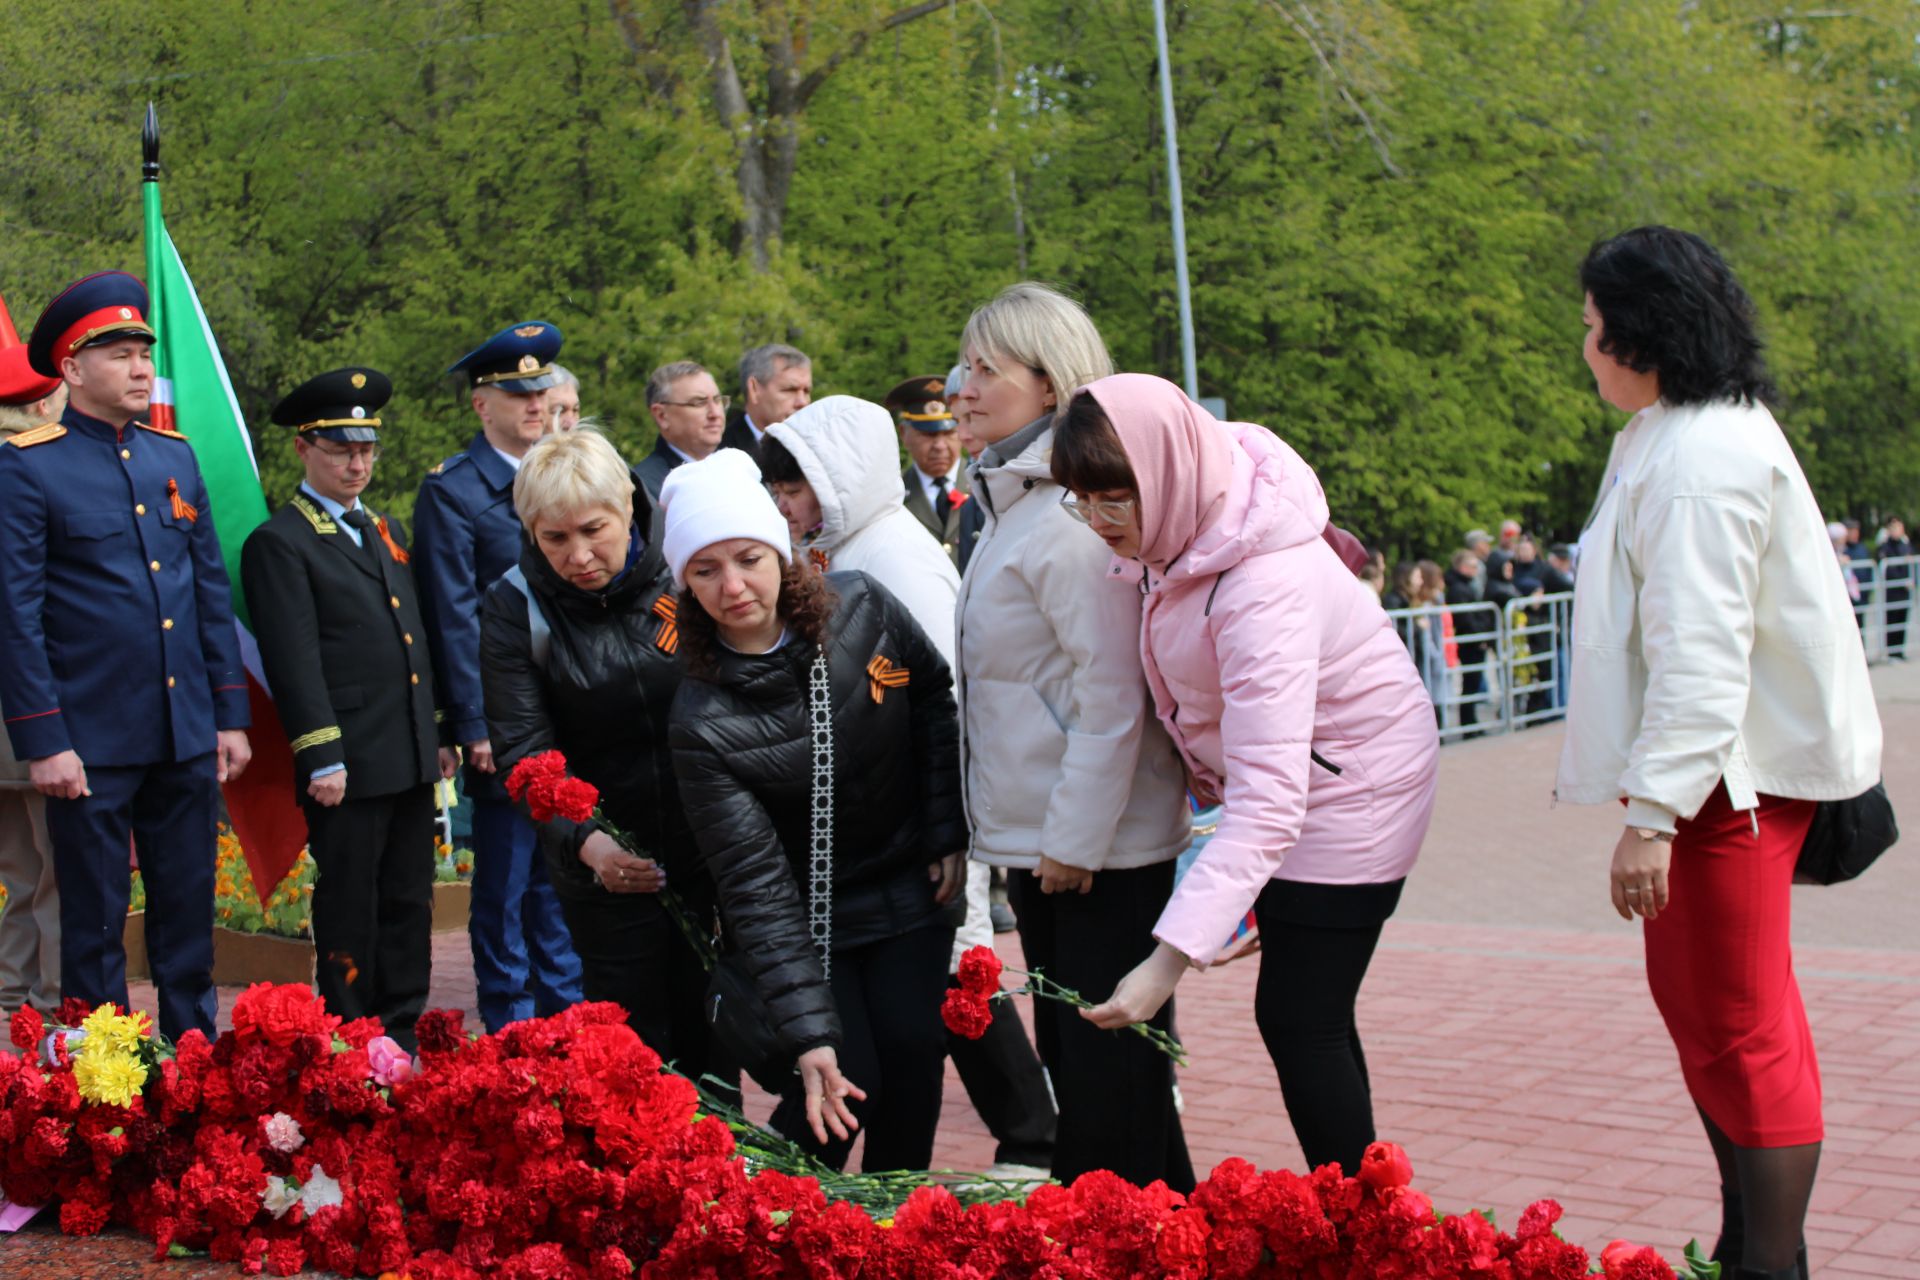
x: 596, y: 686
x: 752, y: 623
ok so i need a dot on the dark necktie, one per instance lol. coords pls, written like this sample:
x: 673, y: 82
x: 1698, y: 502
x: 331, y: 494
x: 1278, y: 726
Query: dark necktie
x: 369, y: 538
x: 942, y: 500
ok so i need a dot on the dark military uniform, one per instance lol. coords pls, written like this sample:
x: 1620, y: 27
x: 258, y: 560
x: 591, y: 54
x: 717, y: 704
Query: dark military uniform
x: 919, y: 406
x: 118, y: 628
x: 345, y: 651
x: 466, y: 536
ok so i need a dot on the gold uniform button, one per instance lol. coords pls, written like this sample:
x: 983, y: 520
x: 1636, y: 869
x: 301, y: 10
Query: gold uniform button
x: 139, y: 508
x: 416, y: 677
x: 394, y: 601
x: 154, y: 565
x: 408, y: 637
x: 169, y: 682
x: 126, y: 453
x: 166, y: 624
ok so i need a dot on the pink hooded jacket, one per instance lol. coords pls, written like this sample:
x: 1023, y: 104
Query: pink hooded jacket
x: 1273, y: 667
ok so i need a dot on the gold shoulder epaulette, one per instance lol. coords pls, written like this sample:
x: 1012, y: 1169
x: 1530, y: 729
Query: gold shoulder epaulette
x: 159, y: 431
x: 36, y: 435
x: 436, y: 468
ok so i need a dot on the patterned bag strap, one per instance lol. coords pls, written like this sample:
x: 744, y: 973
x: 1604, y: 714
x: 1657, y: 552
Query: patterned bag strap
x: 820, y: 878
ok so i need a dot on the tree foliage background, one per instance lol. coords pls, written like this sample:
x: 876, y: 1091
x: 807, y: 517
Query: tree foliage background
x: 1386, y: 203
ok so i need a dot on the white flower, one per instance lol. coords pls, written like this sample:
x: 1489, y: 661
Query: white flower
x: 321, y: 1192
x: 283, y: 1133
x: 281, y: 1194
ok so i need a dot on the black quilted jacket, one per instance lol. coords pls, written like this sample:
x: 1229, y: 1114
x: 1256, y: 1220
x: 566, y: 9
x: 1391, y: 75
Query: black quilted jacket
x: 601, y: 696
x: 742, y: 754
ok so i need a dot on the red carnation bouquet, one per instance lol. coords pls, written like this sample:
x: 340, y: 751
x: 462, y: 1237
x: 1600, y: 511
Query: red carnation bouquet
x: 541, y: 783
x: 968, y: 1008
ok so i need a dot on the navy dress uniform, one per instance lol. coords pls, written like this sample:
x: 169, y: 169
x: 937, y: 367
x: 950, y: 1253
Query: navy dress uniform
x: 345, y: 651
x: 466, y: 536
x: 120, y: 641
x: 937, y: 502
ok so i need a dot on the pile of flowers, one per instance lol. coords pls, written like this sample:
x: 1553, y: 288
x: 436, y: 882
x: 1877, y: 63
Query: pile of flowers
x: 558, y: 1149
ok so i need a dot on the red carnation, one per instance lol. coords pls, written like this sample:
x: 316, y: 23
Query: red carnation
x: 545, y: 764
x: 1384, y: 1165
x: 575, y: 799
x: 440, y: 1030
x: 979, y: 971
x: 1538, y: 1219
x: 73, y: 1012
x: 1623, y: 1260
x: 26, y: 1029
x: 965, y: 1014
x: 281, y: 1014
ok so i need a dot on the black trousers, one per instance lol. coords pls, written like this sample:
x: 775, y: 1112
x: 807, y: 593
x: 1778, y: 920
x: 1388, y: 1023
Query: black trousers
x: 373, y: 906
x: 1007, y: 1087
x: 634, y: 954
x: 168, y: 812
x: 1316, y: 941
x: 893, y: 1045
x: 1114, y: 1088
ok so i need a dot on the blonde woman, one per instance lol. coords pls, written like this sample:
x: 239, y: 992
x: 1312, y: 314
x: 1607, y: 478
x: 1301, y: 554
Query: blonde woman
x: 1070, y: 782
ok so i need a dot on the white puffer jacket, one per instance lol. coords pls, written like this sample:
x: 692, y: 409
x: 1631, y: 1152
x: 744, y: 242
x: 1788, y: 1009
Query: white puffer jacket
x: 1060, y: 752
x: 847, y: 449
x: 1712, y: 634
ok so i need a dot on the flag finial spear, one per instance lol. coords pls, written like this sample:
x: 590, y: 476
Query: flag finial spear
x: 150, y: 146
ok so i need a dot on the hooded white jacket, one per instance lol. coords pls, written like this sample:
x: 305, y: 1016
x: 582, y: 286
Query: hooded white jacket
x: 1712, y: 634
x: 847, y: 449
x: 1060, y: 752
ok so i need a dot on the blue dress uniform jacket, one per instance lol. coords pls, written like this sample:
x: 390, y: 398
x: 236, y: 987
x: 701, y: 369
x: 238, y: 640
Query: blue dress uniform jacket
x: 465, y: 537
x: 115, y: 611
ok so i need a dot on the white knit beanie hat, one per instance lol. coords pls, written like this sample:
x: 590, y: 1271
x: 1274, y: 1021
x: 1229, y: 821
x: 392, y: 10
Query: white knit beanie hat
x: 712, y: 500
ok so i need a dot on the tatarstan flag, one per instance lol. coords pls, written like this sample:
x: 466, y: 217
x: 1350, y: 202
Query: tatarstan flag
x: 192, y: 395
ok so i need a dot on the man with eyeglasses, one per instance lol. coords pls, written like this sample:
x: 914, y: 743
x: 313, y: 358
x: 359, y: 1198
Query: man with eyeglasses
x: 466, y: 537
x: 344, y: 649
x: 691, y: 414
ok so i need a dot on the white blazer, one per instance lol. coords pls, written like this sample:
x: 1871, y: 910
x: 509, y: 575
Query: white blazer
x: 1712, y: 633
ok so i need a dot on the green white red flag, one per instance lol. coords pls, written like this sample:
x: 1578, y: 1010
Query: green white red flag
x: 193, y: 395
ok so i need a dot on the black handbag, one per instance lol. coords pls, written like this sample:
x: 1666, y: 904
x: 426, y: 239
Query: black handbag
x: 736, y: 1014
x: 1846, y: 836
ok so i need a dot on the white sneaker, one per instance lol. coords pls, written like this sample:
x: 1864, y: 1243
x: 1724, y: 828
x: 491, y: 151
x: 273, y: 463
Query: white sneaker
x: 1025, y: 1177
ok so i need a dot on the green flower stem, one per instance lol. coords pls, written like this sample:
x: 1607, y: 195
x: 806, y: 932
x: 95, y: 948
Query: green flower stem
x: 1041, y: 987
x: 676, y: 906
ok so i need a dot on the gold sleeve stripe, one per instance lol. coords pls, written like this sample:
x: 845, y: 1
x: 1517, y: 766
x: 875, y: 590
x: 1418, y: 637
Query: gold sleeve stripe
x: 318, y: 737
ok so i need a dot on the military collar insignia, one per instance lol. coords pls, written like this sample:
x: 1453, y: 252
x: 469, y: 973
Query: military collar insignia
x: 315, y: 514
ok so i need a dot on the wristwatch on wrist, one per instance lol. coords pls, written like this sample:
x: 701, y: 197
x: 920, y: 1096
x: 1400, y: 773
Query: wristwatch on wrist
x: 1652, y: 833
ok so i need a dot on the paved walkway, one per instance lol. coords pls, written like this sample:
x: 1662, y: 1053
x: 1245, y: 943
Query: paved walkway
x: 1514, y: 1050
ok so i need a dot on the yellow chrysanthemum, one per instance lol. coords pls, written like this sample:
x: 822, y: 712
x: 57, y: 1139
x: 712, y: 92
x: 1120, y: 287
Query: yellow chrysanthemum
x: 113, y: 1032
x: 108, y: 1077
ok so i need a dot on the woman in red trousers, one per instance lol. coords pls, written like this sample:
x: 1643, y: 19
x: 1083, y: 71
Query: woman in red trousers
x: 1719, y: 688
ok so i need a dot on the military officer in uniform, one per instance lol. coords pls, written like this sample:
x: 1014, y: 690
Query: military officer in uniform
x: 345, y: 651
x: 122, y: 682
x: 466, y: 536
x: 936, y: 483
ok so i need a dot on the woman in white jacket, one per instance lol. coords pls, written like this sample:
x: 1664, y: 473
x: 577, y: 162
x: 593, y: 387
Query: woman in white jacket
x: 834, y: 469
x: 1719, y: 688
x: 1069, y: 780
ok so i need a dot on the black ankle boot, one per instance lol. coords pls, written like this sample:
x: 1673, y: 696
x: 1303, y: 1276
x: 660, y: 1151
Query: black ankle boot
x: 1800, y: 1261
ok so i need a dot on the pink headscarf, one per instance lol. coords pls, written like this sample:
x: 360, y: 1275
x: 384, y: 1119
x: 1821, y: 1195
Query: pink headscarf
x: 1182, y: 459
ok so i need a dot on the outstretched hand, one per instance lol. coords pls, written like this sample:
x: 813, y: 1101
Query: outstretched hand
x: 1142, y: 993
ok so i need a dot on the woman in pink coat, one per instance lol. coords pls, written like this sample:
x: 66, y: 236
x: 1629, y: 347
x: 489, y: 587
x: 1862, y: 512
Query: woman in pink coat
x: 1291, y: 700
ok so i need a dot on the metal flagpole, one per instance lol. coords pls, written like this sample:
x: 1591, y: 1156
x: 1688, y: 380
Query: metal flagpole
x: 1188, y: 372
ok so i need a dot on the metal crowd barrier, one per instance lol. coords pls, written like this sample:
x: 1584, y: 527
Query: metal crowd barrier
x: 1882, y: 592
x: 1512, y: 664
